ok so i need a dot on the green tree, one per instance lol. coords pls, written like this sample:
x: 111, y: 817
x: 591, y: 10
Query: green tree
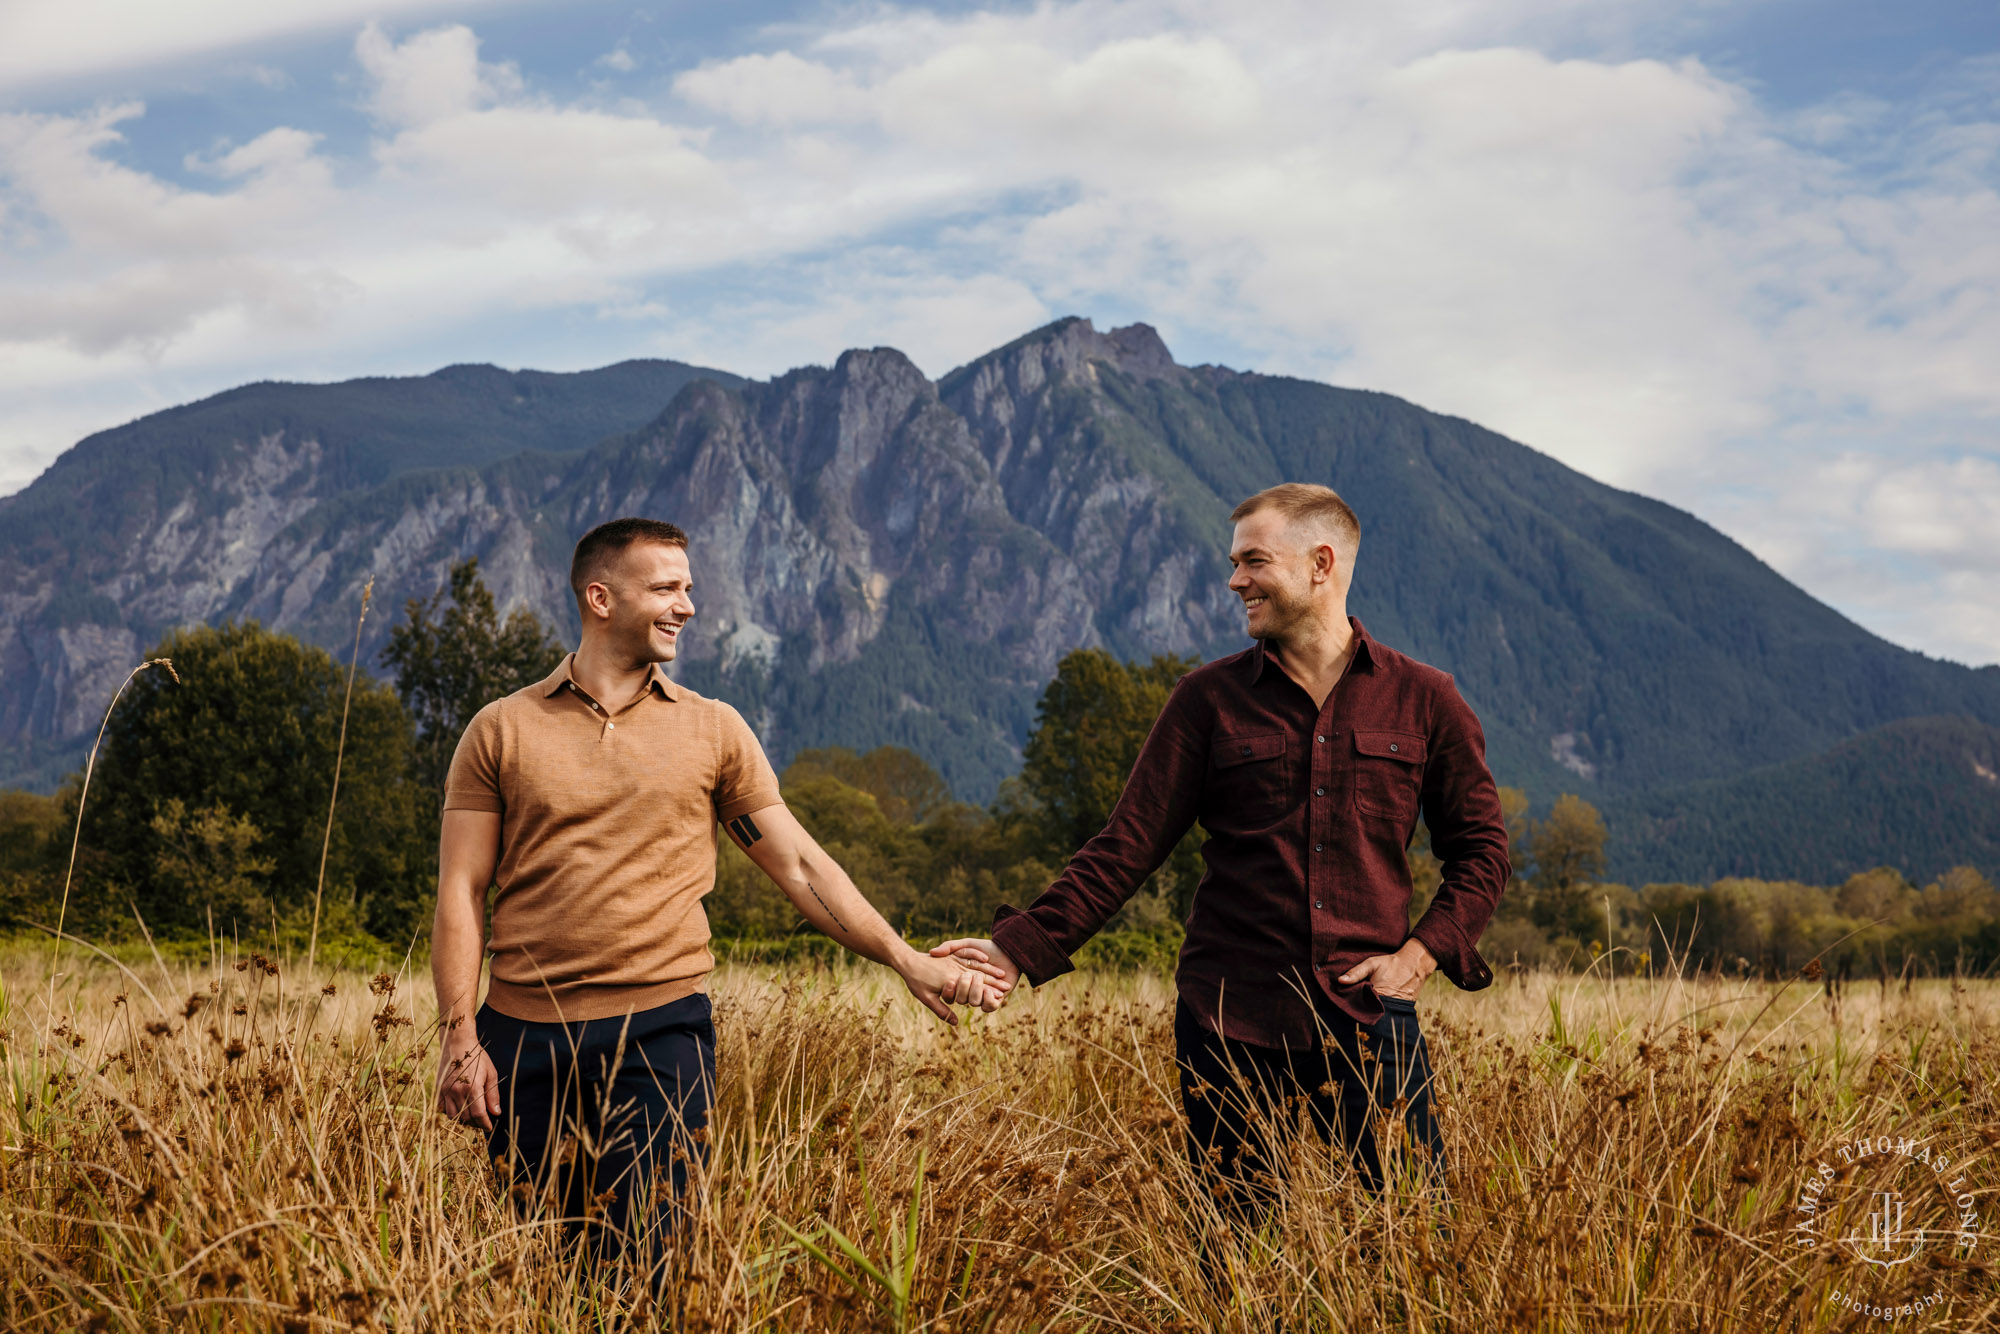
x: 34, y: 840
x: 1568, y: 853
x: 1881, y: 895
x: 208, y: 856
x: 210, y: 795
x: 1090, y: 723
x: 452, y: 660
x: 908, y: 790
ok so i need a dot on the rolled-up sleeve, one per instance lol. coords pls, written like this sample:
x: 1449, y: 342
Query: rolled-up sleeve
x: 1461, y: 808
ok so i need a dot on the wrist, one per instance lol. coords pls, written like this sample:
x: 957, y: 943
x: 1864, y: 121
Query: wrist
x: 1418, y: 953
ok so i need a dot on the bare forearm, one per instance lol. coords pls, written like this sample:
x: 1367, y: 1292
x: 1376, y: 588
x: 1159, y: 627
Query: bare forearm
x: 457, y: 948
x: 824, y: 895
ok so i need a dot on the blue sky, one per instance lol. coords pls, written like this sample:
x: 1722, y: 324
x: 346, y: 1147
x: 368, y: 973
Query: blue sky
x: 1741, y: 256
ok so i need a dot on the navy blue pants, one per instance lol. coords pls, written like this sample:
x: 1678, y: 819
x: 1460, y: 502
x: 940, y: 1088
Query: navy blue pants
x: 1239, y: 1097
x: 600, y: 1119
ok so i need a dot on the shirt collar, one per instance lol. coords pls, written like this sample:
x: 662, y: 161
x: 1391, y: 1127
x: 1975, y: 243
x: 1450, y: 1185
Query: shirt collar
x: 657, y: 680
x: 1364, y: 652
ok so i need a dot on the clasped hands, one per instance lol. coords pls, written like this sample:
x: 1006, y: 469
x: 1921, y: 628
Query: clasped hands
x: 988, y: 975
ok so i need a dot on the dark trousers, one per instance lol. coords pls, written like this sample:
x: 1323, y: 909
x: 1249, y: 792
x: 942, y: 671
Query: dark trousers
x: 1242, y: 1100
x: 600, y: 1119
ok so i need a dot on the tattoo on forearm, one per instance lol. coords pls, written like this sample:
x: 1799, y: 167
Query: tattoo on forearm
x: 745, y: 830
x: 823, y: 903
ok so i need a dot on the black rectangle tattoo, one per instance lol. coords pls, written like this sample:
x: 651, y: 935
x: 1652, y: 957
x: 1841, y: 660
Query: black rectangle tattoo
x: 753, y: 833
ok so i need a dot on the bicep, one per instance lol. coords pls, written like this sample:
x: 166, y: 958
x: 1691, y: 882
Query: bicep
x: 468, y: 851
x: 772, y: 837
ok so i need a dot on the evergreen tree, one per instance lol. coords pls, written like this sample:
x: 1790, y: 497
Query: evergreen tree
x: 452, y: 660
x: 1090, y: 723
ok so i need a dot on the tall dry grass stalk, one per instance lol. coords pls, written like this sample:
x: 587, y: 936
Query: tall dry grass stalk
x: 190, y: 1150
x: 339, y: 753
x: 83, y: 796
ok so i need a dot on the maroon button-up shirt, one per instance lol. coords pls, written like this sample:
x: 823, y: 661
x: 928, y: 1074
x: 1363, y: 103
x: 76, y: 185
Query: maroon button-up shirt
x: 1308, y: 812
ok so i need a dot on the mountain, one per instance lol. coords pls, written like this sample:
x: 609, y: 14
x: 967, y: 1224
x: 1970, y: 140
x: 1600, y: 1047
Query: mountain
x: 880, y: 557
x: 161, y: 521
x: 1922, y: 794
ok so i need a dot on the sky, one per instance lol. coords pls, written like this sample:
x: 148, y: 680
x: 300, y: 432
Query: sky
x: 1741, y: 256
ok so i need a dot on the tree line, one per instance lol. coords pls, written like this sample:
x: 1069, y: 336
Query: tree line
x: 207, y: 814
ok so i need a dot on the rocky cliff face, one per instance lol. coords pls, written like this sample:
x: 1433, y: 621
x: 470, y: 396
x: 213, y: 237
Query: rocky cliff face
x: 198, y: 513
x: 880, y: 558
x: 819, y: 501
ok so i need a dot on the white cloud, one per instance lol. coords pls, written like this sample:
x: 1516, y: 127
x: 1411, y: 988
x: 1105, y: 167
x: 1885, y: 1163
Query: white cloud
x: 430, y: 77
x: 46, y: 40
x: 776, y: 89
x: 1630, y: 263
x: 1906, y: 545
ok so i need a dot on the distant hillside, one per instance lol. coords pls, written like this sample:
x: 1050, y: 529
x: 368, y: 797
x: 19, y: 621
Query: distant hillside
x: 883, y: 558
x: 1922, y: 795
x: 153, y: 523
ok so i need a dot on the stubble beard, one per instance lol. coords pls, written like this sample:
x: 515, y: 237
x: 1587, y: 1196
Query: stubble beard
x: 1284, y: 617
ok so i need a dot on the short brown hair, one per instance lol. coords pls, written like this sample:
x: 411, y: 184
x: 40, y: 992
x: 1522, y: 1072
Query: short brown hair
x: 1304, y: 502
x: 604, y: 543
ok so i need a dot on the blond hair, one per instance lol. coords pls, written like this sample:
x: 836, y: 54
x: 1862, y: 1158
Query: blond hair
x: 1306, y: 504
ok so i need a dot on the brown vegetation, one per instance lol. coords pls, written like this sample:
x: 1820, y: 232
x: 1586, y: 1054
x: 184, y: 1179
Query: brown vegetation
x: 231, y: 1144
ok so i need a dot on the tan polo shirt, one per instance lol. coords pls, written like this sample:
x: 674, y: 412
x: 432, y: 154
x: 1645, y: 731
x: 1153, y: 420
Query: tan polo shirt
x: 607, y: 840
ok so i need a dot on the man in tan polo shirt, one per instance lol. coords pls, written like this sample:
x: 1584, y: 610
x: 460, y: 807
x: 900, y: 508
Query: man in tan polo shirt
x: 590, y: 801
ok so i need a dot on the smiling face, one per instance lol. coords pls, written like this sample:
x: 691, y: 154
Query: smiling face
x: 1284, y: 572
x: 643, y: 603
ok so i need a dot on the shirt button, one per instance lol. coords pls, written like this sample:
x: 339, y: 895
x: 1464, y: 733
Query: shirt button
x: 611, y: 726
x: 1315, y: 903
x: 1392, y: 745
x: 1319, y: 792
x: 1317, y: 847
x: 1320, y: 739
x: 1244, y: 749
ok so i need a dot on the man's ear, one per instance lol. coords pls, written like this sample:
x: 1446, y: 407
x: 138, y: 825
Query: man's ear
x: 1325, y: 563
x: 597, y: 599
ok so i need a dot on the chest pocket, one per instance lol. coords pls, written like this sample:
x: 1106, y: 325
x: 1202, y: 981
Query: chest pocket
x: 1247, y: 779
x: 1388, y: 772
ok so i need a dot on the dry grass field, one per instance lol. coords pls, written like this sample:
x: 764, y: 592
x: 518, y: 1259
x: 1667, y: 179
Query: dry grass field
x: 230, y: 1145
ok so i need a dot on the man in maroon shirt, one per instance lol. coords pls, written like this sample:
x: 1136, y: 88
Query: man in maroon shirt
x: 1307, y: 760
